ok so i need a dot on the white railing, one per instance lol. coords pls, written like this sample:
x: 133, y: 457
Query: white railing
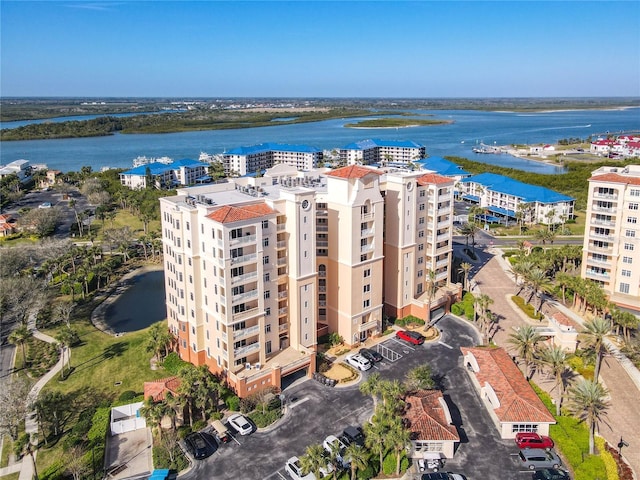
x: 244, y: 258
x: 245, y: 239
x: 608, y: 196
x: 442, y: 237
x: 366, y: 248
x: 442, y: 275
x: 282, y: 261
x: 246, y: 314
x: 597, y: 274
x: 283, y: 310
x: 596, y: 208
x: 322, y: 303
x: 322, y: 289
x: 322, y: 228
x: 366, y: 232
x: 607, y: 223
x: 244, y: 296
x: 442, y: 263
x: 601, y: 235
x: 597, y: 247
x: 243, y: 278
x: 367, y: 216
x: 245, y: 332
x: 283, y: 294
x: 368, y: 325
x: 443, y: 224
x: 281, y: 244
x: 281, y: 226
x: 322, y: 243
x: 240, y: 352
x: 283, y: 327
x: 597, y: 260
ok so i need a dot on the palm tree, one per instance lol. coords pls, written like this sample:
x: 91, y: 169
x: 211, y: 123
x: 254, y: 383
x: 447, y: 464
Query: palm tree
x: 525, y: 341
x: 358, y: 457
x: 467, y: 230
x: 589, y: 403
x: 595, y: 331
x: 555, y: 357
x: 314, y: 459
x: 371, y: 386
x: 66, y: 337
x: 159, y: 340
x: 432, y: 288
x: 539, y: 284
x: 391, y: 391
x: 399, y: 437
x: 19, y: 337
x: 465, y: 269
x: 419, y: 378
x: 153, y: 413
x: 376, y: 439
x: 563, y: 280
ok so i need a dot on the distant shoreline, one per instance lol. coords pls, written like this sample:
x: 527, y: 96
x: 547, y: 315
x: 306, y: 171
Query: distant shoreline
x: 601, y: 109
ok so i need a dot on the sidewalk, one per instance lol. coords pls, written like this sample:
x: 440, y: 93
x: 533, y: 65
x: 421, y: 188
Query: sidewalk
x: 620, y: 377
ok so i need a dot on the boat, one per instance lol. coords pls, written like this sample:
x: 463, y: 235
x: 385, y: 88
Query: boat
x: 142, y: 160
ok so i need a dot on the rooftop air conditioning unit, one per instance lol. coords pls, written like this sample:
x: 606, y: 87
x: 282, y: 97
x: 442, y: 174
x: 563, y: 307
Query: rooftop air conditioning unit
x: 258, y: 366
x: 247, y: 366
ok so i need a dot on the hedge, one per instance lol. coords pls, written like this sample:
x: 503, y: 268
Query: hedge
x: 526, y: 307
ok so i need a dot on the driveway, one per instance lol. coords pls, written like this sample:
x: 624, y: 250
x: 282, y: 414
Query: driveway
x: 316, y: 411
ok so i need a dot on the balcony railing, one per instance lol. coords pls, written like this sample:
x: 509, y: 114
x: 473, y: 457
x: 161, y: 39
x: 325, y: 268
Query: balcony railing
x: 283, y: 327
x: 442, y: 263
x: 608, y: 196
x: 322, y: 288
x: 245, y: 239
x: 244, y: 258
x: 366, y: 232
x: 322, y: 243
x: 245, y: 314
x: 282, y: 261
x: 283, y: 310
x: 444, y: 224
x: 322, y: 303
x: 366, y: 248
x: 608, y: 223
x: 243, y: 278
x: 599, y: 247
x: 322, y: 228
x: 322, y: 274
x: 442, y: 275
x: 246, y: 332
x: 322, y: 212
x: 601, y: 235
x: 281, y: 244
x: 442, y: 237
x: 244, y: 296
x: 597, y: 260
x: 363, y: 327
x: 283, y: 294
x: 247, y: 349
x: 594, y: 273
x: 367, y: 216
x: 596, y: 208
x: 281, y: 227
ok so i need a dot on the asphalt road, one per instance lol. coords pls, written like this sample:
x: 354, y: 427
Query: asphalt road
x: 316, y: 411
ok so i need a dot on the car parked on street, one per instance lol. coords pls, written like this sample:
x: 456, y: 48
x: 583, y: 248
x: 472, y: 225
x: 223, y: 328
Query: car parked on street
x: 443, y: 476
x: 537, y: 458
x: 410, y: 336
x: 240, y: 424
x: 533, y: 440
x: 198, y: 446
x: 370, y: 355
x: 550, y: 474
x: 358, y: 361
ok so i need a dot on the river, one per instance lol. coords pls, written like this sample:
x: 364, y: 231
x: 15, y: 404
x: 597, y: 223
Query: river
x: 468, y: 128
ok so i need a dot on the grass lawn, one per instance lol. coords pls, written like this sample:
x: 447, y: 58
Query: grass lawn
x: 576, y: 228
x: 123, y: 218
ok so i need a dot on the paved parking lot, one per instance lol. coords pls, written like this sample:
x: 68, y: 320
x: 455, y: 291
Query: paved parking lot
x: 316, y: 411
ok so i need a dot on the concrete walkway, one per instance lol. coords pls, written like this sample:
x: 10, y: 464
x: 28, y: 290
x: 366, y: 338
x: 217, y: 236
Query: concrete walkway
x: 25, y: 466
x: 490, y: 276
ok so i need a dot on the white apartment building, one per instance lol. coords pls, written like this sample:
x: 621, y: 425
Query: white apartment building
x: 164, y: 175
x: 611, y: 252
x: 256, y: 268
x: 374, y: 151
x: 243, y: 160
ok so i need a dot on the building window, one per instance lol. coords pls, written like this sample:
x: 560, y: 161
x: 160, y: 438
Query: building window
x: 627, y: 260
x: 420, y: 260
x: 265, y: 224
x: 267, y: 328
x: 367, y: 273
x: 366, y: 303
x: 633, y: 206
x: 632, y: 220
x: 265, y: 260
x: 634, y: 192
x: 366, y: 288
x: 630, y: 233
x: 624, y: 288
x: 524, y: 427
x: 187, y: 225
x: 267, y: 311
x: 267, y: 347
x: 421, y: 234
x: 265, y: 242
x: 421, y: 247
x: 419, y: 273
x: 628, y: 246
x: 626, y: 273
x: 267, y: 294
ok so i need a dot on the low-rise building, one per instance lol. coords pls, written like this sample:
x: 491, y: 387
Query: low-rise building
x: 511, y: 402
x: 384, y: 152
x: 504, y: 197
x: 164, y: 175
x: 7, y: 225
x: 19, y: 168
x: 428, y: 418
x: 256, y: 158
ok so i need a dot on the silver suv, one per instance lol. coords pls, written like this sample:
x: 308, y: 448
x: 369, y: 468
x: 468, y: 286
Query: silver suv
x: 535, y: 458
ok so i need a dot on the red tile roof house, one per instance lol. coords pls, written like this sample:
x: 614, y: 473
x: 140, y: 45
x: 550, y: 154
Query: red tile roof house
x: 511, y: 402
x: 7, y: 225
x: 157, y: 391
x: 429, y: 420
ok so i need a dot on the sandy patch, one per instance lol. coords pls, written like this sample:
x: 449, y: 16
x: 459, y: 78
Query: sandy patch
x: 338, y: 372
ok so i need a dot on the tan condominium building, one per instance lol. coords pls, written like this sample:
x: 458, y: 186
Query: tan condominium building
x: 611, y: 253
x: 258, y: 267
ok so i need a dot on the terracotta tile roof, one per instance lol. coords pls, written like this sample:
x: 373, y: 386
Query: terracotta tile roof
x: 562, y: 319
x: 230, y: 213
x: 433, y: 178
x: 427, y: 420
x: 5, y: 218
x: 518, y: 402
x: 352, y: 171
x: 615, y: 178
x: 157, y: 389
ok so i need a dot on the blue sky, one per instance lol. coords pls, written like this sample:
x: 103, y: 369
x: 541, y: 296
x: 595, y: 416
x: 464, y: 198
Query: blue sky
x: 320, y: 49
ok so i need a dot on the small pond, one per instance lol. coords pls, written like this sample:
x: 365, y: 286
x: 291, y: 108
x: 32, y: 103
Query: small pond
x: 141, y: 305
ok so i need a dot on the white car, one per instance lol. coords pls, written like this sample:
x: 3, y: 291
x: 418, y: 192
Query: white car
x: 294, y: 470
x: 241, y: 424
x: 358, y: 361
x: 45, y: 205
x: 330, y: 443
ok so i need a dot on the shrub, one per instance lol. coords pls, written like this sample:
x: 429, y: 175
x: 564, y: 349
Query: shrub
x: 609, y: 463
x: 323, y: 339
x: 99, y: 424
x: 526, y: 307
x: 247, y: 404
x: 127, y: 396
x: 335, y: 339
x: 53, y: 472
x: 389, y: 463
x: 161, y: 459
x: 232, y: 402
x: 173, y: 363
x: 265, y: 419
x: 198, y: 425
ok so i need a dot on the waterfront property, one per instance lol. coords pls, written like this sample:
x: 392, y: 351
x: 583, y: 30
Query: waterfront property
x: 622, y: 146
x: 511, y: 402
x: 443, y: 167
x: 383, y: 152
x: 257, y: 267
x: 245, y: 160
x: 165, y: 175
x: 20, y: 168
x: 611, y: 251
x: 504, y: 197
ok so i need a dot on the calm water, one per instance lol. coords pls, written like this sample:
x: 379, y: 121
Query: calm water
x: 140, y: 306
x: 456, y: 139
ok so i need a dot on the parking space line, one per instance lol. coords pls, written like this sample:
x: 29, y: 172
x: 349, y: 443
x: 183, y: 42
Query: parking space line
x: 235, y: 440
x: 446, y: 345
x: 404, y: 345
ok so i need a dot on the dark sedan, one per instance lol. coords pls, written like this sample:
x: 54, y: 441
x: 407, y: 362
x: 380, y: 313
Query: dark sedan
x: 370, y: 355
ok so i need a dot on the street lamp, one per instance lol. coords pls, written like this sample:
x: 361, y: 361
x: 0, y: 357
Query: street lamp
x: 621, y: 444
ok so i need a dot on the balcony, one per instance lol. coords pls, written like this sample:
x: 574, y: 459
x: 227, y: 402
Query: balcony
x: 322, y: 244
x: 283, y: 327
x: 607, y: 223
x: 363, y: 327
x: 600, y: 248
x: 241, y: 297
x: 246, y: 332
x: 322, y: 303
x: 444, y: 224
x: 367, y: 216
x: 244, y: 259
x: 442, y: 276
x: 281, y: 227
x: 252, y: 312
x: 322, y: 288
x: 366, y: 248
x: 281, y: 261
x: 241, y: 240
x: 322, y: 273
x: 368, y: 232
x: 322, y: 228
x: 322, y: 212
x: 244, y: 278
x: 601, y: 235
x: 442, y: 263
x: 597, y: 274
x: 281, y: 245
x: 597, y: 260
x: 246, y: 350
x: 608, y: 196
x: 283, y: 310
x: 282, y: 279
x: 442, y: 237
x: 283, y: 294
x: 596, y: 208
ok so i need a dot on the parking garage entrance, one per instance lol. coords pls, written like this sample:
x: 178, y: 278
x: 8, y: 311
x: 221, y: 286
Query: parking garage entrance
x: 292, y: 377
